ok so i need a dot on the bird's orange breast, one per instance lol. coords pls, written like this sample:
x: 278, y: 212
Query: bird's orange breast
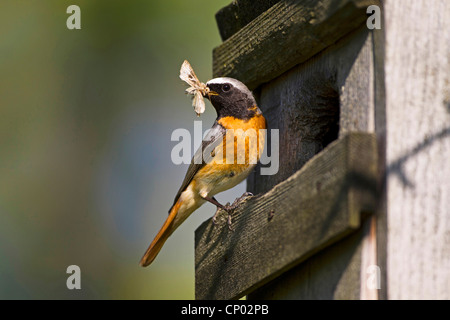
x: 247, y: 139
x: 256, y: 122
x: 233, y: 160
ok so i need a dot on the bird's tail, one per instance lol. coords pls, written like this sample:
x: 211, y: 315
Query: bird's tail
x: 157, y: 243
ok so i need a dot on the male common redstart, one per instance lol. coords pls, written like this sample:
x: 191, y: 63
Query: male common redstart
x: 211, y: 171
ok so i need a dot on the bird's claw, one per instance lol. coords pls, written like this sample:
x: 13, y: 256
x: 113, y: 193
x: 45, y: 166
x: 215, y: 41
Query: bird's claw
x: 229, y: 208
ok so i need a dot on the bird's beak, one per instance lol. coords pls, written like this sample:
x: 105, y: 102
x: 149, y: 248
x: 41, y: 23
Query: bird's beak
x: 209, y: 94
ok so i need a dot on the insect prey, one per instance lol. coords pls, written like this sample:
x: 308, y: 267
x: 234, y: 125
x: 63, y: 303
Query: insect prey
x: 197, y: 89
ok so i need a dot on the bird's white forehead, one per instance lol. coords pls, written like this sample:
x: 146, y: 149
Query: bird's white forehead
x: 234, y: 82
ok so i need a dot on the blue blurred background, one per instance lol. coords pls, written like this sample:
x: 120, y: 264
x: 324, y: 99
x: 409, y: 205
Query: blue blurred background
x: 86, y: 118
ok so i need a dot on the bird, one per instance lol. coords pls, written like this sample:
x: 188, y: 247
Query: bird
x: 213, y: 169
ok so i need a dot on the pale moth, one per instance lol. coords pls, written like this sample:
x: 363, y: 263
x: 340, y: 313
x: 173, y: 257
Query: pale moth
x: 197, y: 89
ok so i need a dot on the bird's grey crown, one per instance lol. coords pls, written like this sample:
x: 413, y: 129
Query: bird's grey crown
x: 236, y: 83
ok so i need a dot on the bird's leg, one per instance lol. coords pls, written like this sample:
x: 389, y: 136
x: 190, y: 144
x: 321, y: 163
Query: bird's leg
x: 219, y: 206
x: 215, y: 202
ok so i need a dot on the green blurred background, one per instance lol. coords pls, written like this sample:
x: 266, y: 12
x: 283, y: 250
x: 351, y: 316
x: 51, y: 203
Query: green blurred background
x: 86, y: 118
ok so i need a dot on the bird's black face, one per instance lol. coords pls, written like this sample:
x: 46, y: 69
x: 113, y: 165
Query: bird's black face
x: 231, y: 98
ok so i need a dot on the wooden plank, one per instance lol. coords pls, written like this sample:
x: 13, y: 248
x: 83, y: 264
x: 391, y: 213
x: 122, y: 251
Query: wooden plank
x: 318, y: 205
x: 331, y: 274
x: 380, y: 129
x: 417, y: 80
x: 238, y: 14
x: 288, y: 33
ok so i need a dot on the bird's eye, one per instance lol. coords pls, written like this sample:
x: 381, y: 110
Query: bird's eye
x: 226, y: 87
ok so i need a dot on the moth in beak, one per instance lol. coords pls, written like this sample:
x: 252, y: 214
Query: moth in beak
x: 210, y: 93
x: 198, y: 89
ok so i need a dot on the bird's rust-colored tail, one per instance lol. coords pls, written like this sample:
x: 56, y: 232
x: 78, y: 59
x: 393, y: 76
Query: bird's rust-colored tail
x: 161, y: 237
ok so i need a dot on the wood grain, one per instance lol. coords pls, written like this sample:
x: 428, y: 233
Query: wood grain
x: 288, y: 33
x: 417, y: 78
x: 238, y: 14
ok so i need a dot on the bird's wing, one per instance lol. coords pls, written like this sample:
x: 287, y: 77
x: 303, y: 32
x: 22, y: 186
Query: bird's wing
x: 212, y: 139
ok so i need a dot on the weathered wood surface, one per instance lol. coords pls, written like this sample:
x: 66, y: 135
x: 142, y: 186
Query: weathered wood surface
x: 380, y: 130
x: 296, y: 103
x: 318, y: 205
x: 417, y: 68
x: 288, y: 33
x: 331, y: 274
x: 316, y: 102
x: 238, y: 14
